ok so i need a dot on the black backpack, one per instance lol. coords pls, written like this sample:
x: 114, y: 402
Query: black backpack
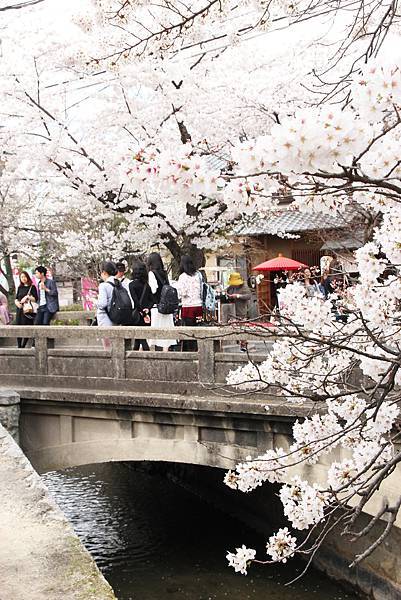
x: 120, y: 312
x: 169, y: 302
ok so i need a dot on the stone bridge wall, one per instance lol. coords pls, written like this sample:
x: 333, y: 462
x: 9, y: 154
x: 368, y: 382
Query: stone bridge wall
x: 78, y: 366
x: 76, y: 428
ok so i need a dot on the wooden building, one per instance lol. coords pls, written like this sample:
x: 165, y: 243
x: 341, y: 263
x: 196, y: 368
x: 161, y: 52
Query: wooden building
x: 302, y: 236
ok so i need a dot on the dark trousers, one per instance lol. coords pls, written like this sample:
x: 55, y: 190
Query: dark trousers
x: 22, y: 342
x: 139, y: 343
x: 43, y: 316
x: 189, y: 345
x: 22, y: 319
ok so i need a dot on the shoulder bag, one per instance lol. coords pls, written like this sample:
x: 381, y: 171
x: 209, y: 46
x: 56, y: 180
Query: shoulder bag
x: 30, y: 308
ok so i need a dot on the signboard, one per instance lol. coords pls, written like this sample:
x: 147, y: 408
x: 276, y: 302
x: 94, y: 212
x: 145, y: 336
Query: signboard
x: 3, y: 280
x: 89, y: 292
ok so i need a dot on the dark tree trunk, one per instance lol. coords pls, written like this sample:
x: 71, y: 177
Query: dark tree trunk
x: 8, y: 272
x: 76, y: 291
x: 178, y: 250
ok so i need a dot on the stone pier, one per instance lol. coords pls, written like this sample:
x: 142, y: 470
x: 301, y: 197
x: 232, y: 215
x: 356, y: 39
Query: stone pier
x: 10, y: 412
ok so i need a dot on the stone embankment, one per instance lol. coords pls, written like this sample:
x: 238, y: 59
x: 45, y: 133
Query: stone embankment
x: 40, y: 556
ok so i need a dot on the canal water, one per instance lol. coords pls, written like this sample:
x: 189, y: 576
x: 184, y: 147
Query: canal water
x: 154, y: 540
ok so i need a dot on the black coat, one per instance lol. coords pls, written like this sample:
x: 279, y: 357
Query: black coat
x: 136, y: 289
x: 22, y: 291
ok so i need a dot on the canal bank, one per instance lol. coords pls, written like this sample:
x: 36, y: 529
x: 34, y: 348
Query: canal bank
x: 41, y: 558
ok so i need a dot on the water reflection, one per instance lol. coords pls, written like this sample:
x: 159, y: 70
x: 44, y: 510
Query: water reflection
x: 153, y: 540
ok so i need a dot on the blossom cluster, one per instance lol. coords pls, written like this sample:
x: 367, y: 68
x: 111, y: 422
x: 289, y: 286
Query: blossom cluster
x: 377, y: 89
x: 281, y: 545
x: 303, y: 503
x: 185, y: 173
x: 253, y: 473
x: 241, y: 558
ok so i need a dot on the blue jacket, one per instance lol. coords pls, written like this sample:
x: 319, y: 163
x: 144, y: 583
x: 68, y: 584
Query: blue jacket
x: 104, y: 303
x: 51, y: 296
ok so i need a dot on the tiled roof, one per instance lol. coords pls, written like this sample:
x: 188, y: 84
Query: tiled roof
x: 216, y: 163
x: 290, y: 221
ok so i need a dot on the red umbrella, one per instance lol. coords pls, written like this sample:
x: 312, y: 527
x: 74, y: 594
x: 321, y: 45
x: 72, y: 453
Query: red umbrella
x: 281, y: 263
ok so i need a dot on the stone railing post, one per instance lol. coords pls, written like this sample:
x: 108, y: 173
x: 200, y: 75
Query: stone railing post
x: 206, y: 361
x: 118, y: 360
x: 41, y: 347
x: 10, y: 411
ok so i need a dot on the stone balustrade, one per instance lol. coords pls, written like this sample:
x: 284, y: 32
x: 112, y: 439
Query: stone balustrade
x: 74, y: 356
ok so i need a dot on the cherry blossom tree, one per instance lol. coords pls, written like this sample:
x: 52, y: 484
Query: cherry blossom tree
x: 21, y: 229
x: 38, y: 226
x: 169, y: 87
x: 325, y: 157
x: 130, y: 105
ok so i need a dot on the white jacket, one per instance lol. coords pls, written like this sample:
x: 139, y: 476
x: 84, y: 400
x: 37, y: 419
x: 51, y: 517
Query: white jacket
x: 189, y: 289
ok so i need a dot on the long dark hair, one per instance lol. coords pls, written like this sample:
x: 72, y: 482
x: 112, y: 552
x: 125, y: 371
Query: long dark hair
x: 139, y: 271
x: 155, y: 263
x: 28, y: 277
x: 187, y: 265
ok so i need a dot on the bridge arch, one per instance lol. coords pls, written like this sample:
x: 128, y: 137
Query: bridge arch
x: 60, y: 434
x: 75, y: 454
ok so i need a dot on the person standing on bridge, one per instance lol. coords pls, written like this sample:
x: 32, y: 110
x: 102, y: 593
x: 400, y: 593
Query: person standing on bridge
x: 141, y: 293
x: 108, y: 272
x: 157, y: 279
x: 25, y: 301
x: 48, y: 297
x: 239, y: 294
x: 190, y: 288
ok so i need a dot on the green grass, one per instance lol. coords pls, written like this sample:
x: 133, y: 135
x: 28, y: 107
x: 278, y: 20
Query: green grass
x: 72, y: 307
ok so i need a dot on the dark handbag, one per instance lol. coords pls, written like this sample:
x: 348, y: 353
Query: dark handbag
x: 137, y: 313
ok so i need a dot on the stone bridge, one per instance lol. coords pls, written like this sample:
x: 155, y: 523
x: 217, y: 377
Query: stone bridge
x: 82, y: 404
